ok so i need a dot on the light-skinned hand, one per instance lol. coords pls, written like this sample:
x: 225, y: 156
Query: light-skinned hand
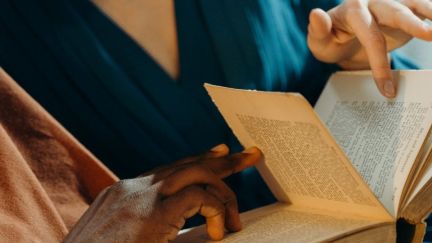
x: 358, y: 34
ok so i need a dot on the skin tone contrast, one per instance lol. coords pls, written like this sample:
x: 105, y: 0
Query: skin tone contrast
x: 357, y: 34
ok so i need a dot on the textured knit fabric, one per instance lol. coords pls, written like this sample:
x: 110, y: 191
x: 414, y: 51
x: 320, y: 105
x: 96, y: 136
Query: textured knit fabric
x: 47, y: 178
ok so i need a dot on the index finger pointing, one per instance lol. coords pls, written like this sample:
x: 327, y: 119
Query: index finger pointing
x: 368, y: 33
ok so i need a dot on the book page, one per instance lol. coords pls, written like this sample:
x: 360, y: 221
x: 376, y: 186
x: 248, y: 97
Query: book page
x: 381, y: 137
x: 283, y: 223
x: 385, y: 233
x: 419, y: 207
x: 425, y: 178
x: 419, y: 170
x: 303, y: 164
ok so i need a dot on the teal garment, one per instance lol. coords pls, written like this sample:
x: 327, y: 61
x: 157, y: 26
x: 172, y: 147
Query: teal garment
x: 119, y: 103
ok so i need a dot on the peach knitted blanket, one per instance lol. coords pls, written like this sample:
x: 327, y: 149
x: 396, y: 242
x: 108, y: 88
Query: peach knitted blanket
x: 47, y: 178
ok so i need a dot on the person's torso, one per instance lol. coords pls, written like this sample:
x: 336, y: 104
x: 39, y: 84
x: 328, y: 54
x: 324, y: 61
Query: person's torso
x: 113, y: 96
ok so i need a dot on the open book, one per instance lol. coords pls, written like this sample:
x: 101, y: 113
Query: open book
x: 345, y: 171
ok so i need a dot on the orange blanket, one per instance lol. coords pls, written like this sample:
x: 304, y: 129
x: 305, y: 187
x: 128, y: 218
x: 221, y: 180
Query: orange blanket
x: 47, y: 178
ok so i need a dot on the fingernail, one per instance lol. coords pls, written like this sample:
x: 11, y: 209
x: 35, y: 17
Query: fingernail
x: 389, y: 89
x: 251, y: 150
x: 219, y: 148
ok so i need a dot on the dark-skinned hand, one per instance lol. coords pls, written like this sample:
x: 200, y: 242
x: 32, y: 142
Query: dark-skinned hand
x: 154, y: 206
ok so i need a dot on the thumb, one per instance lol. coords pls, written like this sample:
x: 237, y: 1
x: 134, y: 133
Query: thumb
x: 320, y: 37
x: 320, y: 24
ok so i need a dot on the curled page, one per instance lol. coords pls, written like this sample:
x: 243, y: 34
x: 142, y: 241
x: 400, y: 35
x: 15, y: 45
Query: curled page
x: 303, y: 163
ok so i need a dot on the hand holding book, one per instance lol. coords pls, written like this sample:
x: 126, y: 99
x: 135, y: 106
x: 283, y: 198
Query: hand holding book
x: 349, y: 173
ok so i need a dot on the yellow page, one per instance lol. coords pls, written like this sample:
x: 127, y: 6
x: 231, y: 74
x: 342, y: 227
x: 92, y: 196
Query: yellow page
x: 424, y: 161
x: 381, y: 137
x: 425, y: 178
x: 303, y: 164
x: 284, y: 223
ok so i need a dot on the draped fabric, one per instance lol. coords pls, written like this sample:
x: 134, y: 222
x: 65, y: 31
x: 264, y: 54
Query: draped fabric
x: 47, y: 179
